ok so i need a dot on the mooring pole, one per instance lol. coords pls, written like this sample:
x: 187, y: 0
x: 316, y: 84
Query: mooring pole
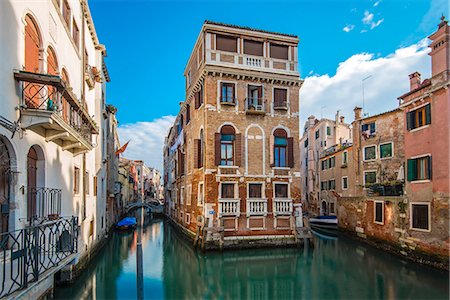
x: 140, y: 275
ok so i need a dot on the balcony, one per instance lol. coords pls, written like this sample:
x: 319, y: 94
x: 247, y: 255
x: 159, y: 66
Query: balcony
x: 385, y: 189
x: 44, y: 204
x: 229, y: 207
x: 49, y: 107
x: 282, y: 207
x: 251, y: 62
x: 254, y: 106
x: 256, y: 207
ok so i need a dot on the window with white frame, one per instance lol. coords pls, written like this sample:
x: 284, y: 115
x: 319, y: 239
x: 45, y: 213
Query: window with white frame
x: 344, y: 157
x: 370, y: 152
x: 386, y: 150
x: 420, y: 216
x: 188, y: 218
x: 255, y: 190
x: 189, y: 195
x: 344, y: 182
x: 378, y: 212
x: 182, y: 195
x: 281, y: 190
x: 227, y: 190
x: 200, y: 198
x: 370, y: 177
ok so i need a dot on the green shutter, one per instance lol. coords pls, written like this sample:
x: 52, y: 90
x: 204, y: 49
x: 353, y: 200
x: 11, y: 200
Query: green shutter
x: 412, y: 167
x: 409, y: 123
x: 428, y: 114
x: 429, y: 167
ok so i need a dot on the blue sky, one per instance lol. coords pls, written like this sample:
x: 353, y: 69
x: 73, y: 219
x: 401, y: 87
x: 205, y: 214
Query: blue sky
x: 149, y: 42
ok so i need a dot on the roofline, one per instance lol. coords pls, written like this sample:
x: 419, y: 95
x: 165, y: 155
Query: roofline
x: 249, y: 29
x: 415, y: 90
x: 380, y: 114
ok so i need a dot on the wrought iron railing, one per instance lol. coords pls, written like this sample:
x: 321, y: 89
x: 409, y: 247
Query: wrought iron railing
x: 43, y: 204
x: 27, y: 253
x: 385, y: 189
x: 253, y: 104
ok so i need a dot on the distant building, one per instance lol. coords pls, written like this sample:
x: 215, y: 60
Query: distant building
x: 319, y: 135
x: 231, y: 158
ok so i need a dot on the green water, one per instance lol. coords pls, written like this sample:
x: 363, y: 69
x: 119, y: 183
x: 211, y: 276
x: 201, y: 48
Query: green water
x: 341, y: 269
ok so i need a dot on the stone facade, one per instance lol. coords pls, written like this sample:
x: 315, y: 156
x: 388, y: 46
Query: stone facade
x: 221, y: 168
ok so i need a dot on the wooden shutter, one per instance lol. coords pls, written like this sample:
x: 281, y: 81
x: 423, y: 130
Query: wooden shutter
x: 428, y: 114
x: 196, y: 153
x: 253, y: 48
x: 279, y: 51
x: 196, y: 100
x: 290, y: 152
x: 409, y: 120
x: 412, y: 167
x: 217, y: 149
x: 260, y: 93
x: 429, y: 168
x: 226, y: 43
x: 188, y: 113
x: 271, y: 150
x: 238, y: 150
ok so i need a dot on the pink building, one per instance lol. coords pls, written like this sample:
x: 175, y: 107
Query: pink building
x: 427, y: 132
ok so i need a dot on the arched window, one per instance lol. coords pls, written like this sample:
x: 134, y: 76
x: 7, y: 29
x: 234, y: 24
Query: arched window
x: 280, y: 148
x: 227, y: 138
x: 65, y: 104
x: 32, y: 45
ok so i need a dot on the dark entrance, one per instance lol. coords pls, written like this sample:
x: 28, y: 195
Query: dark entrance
x: 5, y: 185
x: 32, y: 159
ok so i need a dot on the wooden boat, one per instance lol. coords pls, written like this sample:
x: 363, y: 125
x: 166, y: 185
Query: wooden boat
x: 127, y: 223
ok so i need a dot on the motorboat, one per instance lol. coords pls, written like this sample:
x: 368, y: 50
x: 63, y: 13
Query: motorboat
x: 127, y: 223
x: 328, y: 223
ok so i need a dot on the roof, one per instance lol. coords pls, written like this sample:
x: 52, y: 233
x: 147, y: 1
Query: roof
x: 424, y: 84
x: 249, y: 28
x: 380, y: 114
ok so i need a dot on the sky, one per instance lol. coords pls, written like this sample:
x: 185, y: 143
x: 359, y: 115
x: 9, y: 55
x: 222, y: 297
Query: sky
x: 148, y: 44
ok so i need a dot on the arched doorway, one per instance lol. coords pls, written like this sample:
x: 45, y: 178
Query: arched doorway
x: 5, y: 185
x: 33, y: 44
x: 324, y: 208
x: 35, y: 181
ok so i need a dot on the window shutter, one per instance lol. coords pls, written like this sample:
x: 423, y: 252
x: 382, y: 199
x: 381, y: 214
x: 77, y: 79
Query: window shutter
x: 409, y: 123
x: 412, y: 165
x: 217, y: 149
x: 196, y: 100
x: 238, y: 150
x: 290, y: 154
x: 260, y: 92
x: 271, y: 150
x: 428, y: 114
x: 429, y: 168
x: 196, y: 154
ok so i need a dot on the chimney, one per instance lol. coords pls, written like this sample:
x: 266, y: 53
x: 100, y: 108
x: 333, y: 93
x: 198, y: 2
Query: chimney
x: 311, y: 121
x: 336, y: 117
x: 342, y: 119
x: 358, y: 112
x: 414, y: 81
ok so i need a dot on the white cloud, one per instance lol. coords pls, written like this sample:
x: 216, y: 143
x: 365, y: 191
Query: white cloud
x: 376, y: 3
x: 348, y: 28
x: 343, y: 91
x: 369, y: 21
x: 147, y: 140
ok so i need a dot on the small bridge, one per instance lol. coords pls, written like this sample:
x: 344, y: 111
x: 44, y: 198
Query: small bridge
x: 138, y: 204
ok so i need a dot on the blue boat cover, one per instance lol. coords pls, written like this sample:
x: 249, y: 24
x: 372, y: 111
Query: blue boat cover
x: 128, y: 221
x: 327, y: 217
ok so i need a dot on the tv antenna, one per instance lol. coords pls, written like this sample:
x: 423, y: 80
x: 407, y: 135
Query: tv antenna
x: 363, y: 98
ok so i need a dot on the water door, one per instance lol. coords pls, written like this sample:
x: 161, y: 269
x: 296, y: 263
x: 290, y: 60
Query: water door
x: 5, y: 175
x: 31, y: 181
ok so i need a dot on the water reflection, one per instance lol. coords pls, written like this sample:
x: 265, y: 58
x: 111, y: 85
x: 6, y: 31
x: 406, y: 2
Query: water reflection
x: 173, y: 270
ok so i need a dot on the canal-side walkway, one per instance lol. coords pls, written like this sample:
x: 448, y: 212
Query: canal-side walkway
x: 339, y: 268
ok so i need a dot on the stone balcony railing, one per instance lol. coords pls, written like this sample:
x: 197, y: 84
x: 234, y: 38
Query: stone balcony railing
x: 256, y: 207
x: 251, y: 62
x: 282, y: 206
x: 229, y: 207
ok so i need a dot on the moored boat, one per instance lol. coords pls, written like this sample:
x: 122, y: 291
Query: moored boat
x: 127, y: 223
x: 328, y: 223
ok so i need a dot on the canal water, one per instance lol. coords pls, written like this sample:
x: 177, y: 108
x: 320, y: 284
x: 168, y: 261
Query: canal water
x: 341, y: 268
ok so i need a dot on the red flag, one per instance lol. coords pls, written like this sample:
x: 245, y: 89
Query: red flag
x: 122, y: 149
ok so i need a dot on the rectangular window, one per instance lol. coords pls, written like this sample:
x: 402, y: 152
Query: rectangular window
x: 332, y: 208
x: 227, y: 92
x: 378, y: 213
x: 306, y: 143
x: 370, y: 177
x: 95, y: 185
x: 76, y: 34
x: 255, y: 190
x: 226, y: 150
x: 280, y: 98
x: 328, y: 130
x: 332, y: 184
x: 418, y: 117
x: 368, y: 129
x: 332, y: 162
x: 226, y: 43
x: 66, y: 13
x: 200, y: 199
x: 227, y: 190
x: 280, y: 147
x: 317, y: 134
x: 188, y: 113
x: 323, y: 164
x: 419, y: 168
x: 76, y: 180
x: 370, y: 152
x: 198, y: 97
x: 182, y: 195
x: 344, y: 157
x: 386, y: 150
x: 253, y: 48
x: 281, y: 190
x: 323, y: 185
x: 279, y: 51
x: 344, y: 183
x: 86, y: 183
x: 189, y: 195
x: 188, y: 218
x: 420, y: 216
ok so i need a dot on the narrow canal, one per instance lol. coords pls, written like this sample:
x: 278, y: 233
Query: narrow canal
x: 339, y: 268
